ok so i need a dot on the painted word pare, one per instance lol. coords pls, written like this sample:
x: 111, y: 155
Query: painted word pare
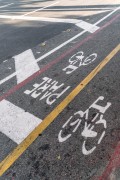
x: 48, y: 89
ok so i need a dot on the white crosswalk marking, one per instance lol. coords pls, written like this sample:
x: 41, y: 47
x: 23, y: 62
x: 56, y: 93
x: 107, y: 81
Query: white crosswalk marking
x: 15, y: 122
x: 25, y: 65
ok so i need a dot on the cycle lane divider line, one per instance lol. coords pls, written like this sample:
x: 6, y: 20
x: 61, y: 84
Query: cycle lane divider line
x: 17, y: 152
x: 60, y: 46
x: 18, y: 86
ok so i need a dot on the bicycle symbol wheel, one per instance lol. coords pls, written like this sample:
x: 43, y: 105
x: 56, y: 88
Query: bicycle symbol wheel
x: 89, y: 59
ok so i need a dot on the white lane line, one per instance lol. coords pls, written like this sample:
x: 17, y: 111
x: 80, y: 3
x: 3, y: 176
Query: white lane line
x: 44, y: 56
x: 6, y: 5
x: 22, y: 62
x: 40, y: 9
x: 80, y: 23
x: 107, y: 16
x: 59, y: 47
x: 15, y: 123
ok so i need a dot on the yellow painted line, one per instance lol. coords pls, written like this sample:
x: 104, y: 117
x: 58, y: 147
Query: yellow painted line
x: 17, y: 152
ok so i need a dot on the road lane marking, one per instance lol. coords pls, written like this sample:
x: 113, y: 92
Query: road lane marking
x: 108, y: 15
x: 40, y: 9
x: 6, y: 5
x: 44, y: 56
x: 15, y: 154
x: 48, y: 89
x: 15, y: 88
x: 77, y: 60
x: 15, y: 123
x: 25, y: 65
x: 80, y: 23
x: 88, y: 124
x: 58, y: 47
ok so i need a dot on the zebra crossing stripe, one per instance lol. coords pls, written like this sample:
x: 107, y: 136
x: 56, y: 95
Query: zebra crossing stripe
x: 25, y: 65
x: 93, y: 28
x: 15, y: 123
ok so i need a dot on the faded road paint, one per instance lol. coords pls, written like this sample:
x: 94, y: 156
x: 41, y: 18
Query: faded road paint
x: 13, y: 156
x: 68, y: 41
x: 15, y: 88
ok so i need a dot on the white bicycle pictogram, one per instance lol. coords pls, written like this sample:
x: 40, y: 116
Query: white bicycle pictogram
x: 89, y: 127
x: 78, y: 60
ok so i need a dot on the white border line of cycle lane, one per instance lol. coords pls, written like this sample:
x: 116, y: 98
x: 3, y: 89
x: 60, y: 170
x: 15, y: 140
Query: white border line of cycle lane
x: 57, y: 48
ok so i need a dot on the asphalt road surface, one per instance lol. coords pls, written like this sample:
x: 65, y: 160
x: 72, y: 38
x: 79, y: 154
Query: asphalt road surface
x: 59, y: 90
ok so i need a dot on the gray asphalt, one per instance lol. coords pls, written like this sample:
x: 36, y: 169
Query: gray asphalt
x: 22, y: 35
x: 47, y: 158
